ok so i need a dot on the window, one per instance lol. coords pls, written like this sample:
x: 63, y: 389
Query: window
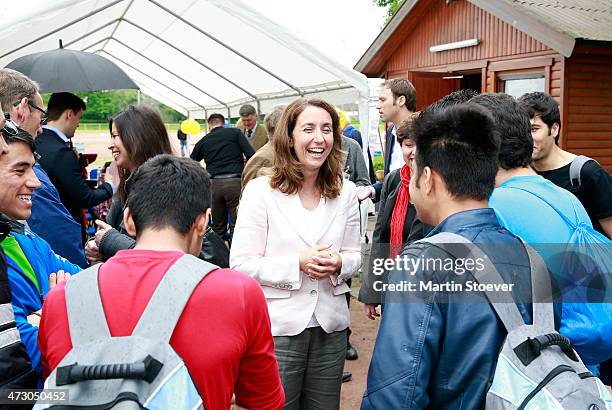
x: 517, y: 85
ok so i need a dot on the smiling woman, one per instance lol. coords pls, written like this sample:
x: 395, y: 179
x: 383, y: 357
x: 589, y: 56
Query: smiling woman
x: 298, y: 234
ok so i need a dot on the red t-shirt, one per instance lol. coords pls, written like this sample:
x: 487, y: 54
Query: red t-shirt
x: 223, y: 335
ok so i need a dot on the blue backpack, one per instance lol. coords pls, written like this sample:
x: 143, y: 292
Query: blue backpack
x: 586, y: 283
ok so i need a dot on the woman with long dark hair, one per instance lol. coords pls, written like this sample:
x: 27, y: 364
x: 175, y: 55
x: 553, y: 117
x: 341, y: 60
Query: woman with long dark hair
x: 137, y: 134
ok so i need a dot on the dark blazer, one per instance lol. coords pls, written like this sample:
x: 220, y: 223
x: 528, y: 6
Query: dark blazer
x: 390, y: 143
x: 388, y: 196
x: 65, y: 172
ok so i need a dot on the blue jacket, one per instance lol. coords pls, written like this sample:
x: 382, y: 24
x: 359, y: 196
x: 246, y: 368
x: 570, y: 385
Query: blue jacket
x: 26, y: 297
x: 51, y: 221
x: 434, y: 350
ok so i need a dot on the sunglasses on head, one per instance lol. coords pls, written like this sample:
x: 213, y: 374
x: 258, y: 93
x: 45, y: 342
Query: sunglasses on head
x: 10, y: 128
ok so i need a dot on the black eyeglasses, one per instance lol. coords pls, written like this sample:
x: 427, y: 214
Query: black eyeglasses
x: 43, y: 116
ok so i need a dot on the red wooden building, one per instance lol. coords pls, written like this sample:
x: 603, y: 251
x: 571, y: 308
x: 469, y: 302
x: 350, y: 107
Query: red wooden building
x: 562, y: 47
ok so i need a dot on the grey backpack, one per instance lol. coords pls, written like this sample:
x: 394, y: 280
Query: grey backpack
x: 133, y: 372
x: 537, y: 367
x: 574, y: 172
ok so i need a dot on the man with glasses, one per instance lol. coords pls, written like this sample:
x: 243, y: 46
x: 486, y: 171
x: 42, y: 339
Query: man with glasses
x: 19, y: 97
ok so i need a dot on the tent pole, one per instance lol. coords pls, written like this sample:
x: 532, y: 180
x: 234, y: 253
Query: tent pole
x: 151, y: 78
x: 162, y: 67
x: 62, y: 27
x: 193, y: 26
x: 90, y: 33
x: 190, y: 57
x: 120, y: 18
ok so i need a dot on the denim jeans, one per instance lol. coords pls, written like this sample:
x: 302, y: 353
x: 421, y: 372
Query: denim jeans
x: 310, y: 366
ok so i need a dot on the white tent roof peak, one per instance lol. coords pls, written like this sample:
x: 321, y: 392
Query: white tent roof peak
x: 197, y: 56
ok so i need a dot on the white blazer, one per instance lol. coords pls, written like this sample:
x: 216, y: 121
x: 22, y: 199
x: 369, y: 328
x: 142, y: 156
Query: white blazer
x: 271, y: 232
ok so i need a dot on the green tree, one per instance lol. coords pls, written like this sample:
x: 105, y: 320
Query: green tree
x: 101, y: 105
x: 393, y: 6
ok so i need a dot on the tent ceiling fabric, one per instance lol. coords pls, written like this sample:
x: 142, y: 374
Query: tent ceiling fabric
x: 197, y: 56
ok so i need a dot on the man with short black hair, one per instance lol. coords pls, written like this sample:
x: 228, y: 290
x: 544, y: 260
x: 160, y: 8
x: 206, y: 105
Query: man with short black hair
x: 594, y: 189
x: 168, y: 213
x: 519, y: 192
x: 437, y: 349
x: 224, y: 151
x: 256, y: 135
x: 61, y: 163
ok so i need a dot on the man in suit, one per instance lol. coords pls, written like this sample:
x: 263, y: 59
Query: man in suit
x: 256, y: 135
x: 60, y: 161
x: 396, y: 102
x: 261, y: 163
x: 223, y: 150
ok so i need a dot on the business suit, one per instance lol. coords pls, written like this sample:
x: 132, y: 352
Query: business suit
x: 258, y: 164
x: 62, y: 165
x: 260, y: 137
x: 389, y: 144
x: 269, y: 236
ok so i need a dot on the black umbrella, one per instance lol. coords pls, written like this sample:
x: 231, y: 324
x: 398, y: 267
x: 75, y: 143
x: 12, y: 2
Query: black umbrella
x: 65, y: 70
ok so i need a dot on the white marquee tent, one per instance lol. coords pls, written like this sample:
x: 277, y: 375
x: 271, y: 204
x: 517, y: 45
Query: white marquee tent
x: 196, y: 56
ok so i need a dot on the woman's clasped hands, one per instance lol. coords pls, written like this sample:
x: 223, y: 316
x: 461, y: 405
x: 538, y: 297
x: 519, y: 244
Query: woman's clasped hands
x: 320, y: 261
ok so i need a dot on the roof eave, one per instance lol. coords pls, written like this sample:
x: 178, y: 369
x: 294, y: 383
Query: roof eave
x: 558, y: 41
x: 363, y: 65
x: 538, y: 29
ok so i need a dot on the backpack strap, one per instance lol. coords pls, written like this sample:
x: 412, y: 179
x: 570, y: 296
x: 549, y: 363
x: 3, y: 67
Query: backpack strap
x: 83, y: 295
x: 502, y: 302
x: 575, y: 168
x: 541, y: 290
x: 170, y: 297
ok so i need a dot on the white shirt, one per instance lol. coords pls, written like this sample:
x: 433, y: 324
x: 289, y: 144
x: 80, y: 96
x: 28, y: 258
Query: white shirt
x: 252, y: 132
x: 315, y: 226
x: 397, y: 158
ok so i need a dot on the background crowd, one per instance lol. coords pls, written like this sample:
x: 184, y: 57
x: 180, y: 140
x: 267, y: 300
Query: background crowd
x: 277, y: 210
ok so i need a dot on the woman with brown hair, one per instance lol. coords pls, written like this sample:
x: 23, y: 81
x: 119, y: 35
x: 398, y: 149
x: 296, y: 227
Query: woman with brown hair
x: 298, y: 235
x: 137, y: 134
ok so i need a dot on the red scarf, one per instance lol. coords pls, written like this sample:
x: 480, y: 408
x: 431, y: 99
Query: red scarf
x: 399, y: 213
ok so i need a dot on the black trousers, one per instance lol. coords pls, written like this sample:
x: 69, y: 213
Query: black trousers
x: 225, y: 197
x: 348, y: 303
